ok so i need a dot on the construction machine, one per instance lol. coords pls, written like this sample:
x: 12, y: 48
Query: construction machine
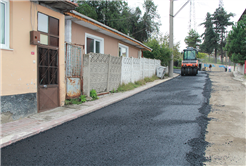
x: 190, y: 62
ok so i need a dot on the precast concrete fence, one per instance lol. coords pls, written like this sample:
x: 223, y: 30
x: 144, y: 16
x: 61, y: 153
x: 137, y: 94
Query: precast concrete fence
x: 105, y: 72
x: 134, y: 69
x: 101, y: 72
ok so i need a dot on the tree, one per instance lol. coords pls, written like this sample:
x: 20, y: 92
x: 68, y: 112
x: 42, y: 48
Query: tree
x: 149, y: 22
x: 117, y: 15
x: 236, y: 42
x: 192, y: 39
x: 160, y: 51
x: 221, y: 20
x: 209, y: 36
x: 87, y: 10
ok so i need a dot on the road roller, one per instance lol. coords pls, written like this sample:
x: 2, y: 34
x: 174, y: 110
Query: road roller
x: 190, y: 62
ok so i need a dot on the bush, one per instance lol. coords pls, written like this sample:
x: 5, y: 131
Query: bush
x: 93, y: 94
x: 82, y: 98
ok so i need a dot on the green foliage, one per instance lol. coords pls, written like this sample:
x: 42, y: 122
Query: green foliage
x: 192, y: 39
x: 176, y: 54
x: 160, y: 51
x: 176, y: 67
x: 140, y: 82
x: 118, y: 15
x: 87, y: 9
x: 236, y: 42
x: 82, y: 98
x: 209, y: 36
x: 67, y: 102
x: 113, y: 91
x: 221, y: 20
x: 93, y: 94
x: 79, y: 100
x: 201, y: 55
x: 125, y: 87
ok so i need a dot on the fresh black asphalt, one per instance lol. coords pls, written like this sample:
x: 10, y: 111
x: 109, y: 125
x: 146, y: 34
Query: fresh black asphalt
x: 163, y: 125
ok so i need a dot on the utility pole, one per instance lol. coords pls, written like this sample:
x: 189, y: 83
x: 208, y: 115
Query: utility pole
x: 171, y: 16
x: 170, y: 70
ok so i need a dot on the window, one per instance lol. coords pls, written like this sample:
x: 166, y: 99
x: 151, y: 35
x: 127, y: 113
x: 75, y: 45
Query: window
x: 4, y: 24
x: 94, y: 44
x: 189, y: 55
x: 49, y: 30
x: 123, y: 50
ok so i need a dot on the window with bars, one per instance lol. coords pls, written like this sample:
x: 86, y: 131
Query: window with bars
x: 48, y: 66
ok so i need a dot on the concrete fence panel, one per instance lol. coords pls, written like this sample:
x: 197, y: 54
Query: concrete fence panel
x: 134, y: 69
x: 101, y: 72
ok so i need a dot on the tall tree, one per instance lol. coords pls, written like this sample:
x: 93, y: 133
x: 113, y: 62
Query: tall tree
x: 149, y: 22
x: 236, y: 42
x: 118, y: 15
x: 193, y: 39
x: 209, y: 36
x: 221, y: 20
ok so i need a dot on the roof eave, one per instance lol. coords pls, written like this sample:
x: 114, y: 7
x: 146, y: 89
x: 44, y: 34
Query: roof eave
x: 96, y: 23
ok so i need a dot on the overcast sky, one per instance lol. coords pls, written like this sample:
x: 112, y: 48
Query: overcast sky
x: 181, y: 21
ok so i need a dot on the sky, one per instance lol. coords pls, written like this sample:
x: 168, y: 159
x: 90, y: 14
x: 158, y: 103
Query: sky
x: 181, y: 20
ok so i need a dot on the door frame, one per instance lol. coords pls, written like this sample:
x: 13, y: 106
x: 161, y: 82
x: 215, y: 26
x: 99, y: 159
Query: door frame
x: 58, y: 75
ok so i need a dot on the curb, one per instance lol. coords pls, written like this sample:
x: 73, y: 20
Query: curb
x: 10, y: 139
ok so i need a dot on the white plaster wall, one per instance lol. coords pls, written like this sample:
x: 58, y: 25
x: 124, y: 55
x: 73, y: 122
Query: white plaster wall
x: 240, y: 68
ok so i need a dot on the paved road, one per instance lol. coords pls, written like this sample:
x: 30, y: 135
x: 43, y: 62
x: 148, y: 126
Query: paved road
x: 164, y: 125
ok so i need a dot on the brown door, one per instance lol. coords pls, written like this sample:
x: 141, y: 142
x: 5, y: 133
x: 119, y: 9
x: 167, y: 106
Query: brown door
x: 48, y: 85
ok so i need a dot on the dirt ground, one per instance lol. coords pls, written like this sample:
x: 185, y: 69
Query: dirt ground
x: 226, y: 129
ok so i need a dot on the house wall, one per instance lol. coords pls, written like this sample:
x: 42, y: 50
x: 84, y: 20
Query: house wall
x: 19, y: 67
x: 111, y: 45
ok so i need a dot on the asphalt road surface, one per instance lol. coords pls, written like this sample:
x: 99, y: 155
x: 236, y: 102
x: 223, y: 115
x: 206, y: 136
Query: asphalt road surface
x: 164, y: 125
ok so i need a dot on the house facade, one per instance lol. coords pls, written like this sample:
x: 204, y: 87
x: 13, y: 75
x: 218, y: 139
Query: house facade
x: 32, y: 56
x: 82, y: 32
x: 99, y: 38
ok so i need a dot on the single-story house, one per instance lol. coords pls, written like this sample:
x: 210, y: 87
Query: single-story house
x: 93, y: 37
x: 32, y: 56
x: 99, y: 38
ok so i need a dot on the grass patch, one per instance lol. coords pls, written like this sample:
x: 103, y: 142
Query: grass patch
x: 174, y: 67
x: 79, y: 100
x: 126, y: 87
x: 244, y: 76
